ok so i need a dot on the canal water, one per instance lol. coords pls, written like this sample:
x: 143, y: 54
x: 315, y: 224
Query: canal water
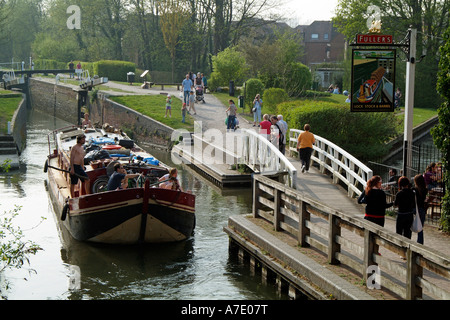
x: 200, y: 268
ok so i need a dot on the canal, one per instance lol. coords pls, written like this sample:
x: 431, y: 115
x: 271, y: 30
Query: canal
x: 200, y: 268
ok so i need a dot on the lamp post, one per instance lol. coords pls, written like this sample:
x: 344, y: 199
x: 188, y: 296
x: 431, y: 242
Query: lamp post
x: 409, y: 103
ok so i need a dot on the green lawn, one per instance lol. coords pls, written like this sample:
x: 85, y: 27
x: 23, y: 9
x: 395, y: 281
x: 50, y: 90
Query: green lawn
x: 8, y: 105
x: 154, y: 106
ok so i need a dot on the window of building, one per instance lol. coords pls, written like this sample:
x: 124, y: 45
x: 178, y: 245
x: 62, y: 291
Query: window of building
x: 315, y: 36
x: 325, y: 36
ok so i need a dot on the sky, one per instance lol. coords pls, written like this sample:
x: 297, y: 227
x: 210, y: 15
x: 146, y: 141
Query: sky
x: 304, y: 12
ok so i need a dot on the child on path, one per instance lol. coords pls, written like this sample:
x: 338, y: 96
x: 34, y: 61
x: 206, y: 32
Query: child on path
x: 191, y: 102
x: 183, y: 113
x: 168, y: 106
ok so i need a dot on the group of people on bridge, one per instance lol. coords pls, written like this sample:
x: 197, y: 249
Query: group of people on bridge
x: 411, y: 198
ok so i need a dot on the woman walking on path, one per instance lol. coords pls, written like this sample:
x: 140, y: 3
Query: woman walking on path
x: 305, y: 143
x: 375, y: 199
x: 231, y: 115
x: 404, y: 200
x: 421, y: 194
x: 257, y: 106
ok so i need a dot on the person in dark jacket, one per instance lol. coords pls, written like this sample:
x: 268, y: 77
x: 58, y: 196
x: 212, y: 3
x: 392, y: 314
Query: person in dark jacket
x: 375, y: 199
x: 405, y: 202
x: 421, y: 192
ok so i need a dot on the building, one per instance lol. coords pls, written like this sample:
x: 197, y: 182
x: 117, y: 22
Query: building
x: 324, y: 47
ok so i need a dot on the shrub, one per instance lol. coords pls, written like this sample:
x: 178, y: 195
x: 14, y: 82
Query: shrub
x: 297, y: 80
x: 252, y: 88
x: 114, y: 70
x: 362, y: 134
x: 228, y: 65
x: 43, y: 64
x: 272, y: 97
x: 215, y: 81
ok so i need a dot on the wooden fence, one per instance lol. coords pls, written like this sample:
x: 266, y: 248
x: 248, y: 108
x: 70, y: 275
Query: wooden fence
x: 363, y: 246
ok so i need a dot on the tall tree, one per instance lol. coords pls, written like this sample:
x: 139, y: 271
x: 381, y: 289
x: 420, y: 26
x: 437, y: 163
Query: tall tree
x: 173, y: 16
x: 441, y: 133
x: 19, y: 26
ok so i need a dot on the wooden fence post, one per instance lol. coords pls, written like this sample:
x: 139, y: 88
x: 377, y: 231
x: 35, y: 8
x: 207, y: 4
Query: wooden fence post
x: 333, y: 246
x: 303, y: 231
x: 413, y: 270
x: 256, y: 193
x: 277, y: 211
x: 369, y: 250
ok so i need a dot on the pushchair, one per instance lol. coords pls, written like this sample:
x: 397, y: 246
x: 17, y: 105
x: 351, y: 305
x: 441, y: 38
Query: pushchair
x: 199, y: 94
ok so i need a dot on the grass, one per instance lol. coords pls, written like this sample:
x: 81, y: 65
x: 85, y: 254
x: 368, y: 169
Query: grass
x: 154, y: 106
x: 8, y: 105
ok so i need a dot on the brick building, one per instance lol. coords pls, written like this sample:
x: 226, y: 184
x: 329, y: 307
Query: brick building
x: 323, y: 44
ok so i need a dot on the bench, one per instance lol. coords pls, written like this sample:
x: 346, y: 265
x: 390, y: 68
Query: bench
x: 166, y: 84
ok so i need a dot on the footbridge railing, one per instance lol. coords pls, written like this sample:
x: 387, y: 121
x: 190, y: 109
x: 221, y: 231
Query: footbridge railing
x: 261, y: 155
x: 245, y: 146
x: 342, y: 165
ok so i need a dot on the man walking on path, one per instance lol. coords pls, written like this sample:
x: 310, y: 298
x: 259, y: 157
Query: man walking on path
x: 305, y: 143
x: 187, y: 87
x: 284, y: 128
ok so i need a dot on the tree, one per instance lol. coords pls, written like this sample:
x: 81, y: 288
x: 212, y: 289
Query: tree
x: 441, y: 132
x: 228, y: 65
x: 173, y: 16
x: 19, y: 23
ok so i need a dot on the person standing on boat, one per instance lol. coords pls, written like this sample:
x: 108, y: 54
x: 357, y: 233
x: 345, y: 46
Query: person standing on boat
x: 86, y: 122
x: 119, y: 178
x: 77, y: 154
x: 170, y: 180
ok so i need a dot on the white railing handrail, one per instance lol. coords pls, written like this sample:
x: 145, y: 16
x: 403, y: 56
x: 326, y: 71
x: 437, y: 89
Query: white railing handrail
x: 262, y: 153
x: 244, y: 146
x: 84, y: 77
x: 342, y: 165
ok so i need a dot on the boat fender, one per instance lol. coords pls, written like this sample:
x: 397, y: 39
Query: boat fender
x: 64, y: 212
x: 46, y: 166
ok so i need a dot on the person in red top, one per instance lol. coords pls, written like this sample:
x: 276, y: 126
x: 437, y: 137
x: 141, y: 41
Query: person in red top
x: 265, y: 126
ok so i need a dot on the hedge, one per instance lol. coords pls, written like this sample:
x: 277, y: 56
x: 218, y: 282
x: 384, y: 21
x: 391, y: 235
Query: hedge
x: 114, y: 70
x: 363, y: 135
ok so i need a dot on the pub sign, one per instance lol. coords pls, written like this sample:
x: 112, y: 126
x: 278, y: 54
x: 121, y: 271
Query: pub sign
x: 373, y: 80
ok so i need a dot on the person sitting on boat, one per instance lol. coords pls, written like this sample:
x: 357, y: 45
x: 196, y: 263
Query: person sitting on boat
x: 119, y: 178
x: 77, y: 154
x: 86, y: 122
x: 170, y: 181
